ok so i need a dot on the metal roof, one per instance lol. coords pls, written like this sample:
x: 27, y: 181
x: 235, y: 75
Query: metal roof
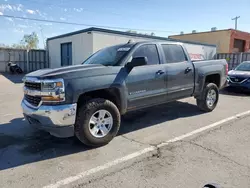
x: 126, y: 34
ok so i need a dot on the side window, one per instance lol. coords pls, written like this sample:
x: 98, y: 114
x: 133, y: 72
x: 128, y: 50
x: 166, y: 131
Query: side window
x: 149, y: 51
x: 174, y: 53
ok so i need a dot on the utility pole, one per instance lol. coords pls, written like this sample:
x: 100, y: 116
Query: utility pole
x: 236, y: 19
x: 41, y: 29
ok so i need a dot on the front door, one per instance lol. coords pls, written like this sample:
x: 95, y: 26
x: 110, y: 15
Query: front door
x: 180, y: 72
x: 66, y: 54
x: 146, y: 84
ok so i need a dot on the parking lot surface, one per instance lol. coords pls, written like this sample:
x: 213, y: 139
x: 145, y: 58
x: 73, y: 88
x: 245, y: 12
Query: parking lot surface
x: 32, y: 158
x: 220, y: 156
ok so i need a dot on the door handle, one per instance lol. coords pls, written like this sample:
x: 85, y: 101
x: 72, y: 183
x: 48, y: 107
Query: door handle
x: 159, y: 72
x: 187, y: 70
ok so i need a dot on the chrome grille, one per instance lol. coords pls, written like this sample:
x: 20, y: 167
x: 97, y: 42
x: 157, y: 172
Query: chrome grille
x: 33, y: 100
x: 237, y: 79
x: 33, y: 85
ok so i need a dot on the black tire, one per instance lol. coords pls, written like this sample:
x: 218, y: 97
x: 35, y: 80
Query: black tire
x: 202, y: 102
x: 19, y: 71
x: 84, y: 114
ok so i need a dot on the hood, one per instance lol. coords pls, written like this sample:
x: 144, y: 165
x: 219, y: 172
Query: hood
x: 241, y: 74
x: 64, y: 70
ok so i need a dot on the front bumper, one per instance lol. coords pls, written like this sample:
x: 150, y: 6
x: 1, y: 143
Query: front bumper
x: 58, y: 120
x: 244, y: 85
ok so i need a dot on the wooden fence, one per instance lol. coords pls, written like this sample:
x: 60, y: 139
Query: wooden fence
x: 234, y: 59
x: 28, y: 61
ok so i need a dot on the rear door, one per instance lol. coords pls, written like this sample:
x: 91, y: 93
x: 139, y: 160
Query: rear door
x: 179, y: 72
x: 146, y: 85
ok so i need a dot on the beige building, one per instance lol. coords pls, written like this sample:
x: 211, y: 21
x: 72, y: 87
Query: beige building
x: 227, y: 41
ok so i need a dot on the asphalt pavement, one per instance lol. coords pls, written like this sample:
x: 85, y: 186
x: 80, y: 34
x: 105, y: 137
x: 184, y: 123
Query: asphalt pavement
x: 32, y: 158
x: 220, y: 156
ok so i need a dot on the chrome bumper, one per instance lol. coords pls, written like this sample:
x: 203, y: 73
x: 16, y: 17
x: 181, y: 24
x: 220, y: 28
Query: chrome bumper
x: 52, y: 118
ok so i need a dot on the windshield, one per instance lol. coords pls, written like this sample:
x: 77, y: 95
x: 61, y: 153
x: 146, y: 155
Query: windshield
x: 245, y: 66
x: 109, y: 56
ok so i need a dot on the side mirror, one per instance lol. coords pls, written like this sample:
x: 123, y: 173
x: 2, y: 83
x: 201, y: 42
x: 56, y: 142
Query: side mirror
x: 137, y: 61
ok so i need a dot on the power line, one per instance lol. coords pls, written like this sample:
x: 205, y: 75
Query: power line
x: 82, y: 24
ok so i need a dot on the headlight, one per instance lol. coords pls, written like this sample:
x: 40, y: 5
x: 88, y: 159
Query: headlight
x: 51, y: 85
x: 54, y: 90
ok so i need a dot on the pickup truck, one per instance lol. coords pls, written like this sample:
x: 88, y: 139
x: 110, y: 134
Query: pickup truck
x: 88, y: 100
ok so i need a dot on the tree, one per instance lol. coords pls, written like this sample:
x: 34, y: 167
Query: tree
x: 18, y: 46
x: 30, y: 41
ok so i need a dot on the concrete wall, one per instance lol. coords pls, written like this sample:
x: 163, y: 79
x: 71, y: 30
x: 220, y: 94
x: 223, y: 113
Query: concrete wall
x: 82, y: 48
x: 219, y: 38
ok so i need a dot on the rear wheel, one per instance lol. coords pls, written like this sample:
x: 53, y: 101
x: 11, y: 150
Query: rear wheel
x: 97, y: 122
x: 209, y: 98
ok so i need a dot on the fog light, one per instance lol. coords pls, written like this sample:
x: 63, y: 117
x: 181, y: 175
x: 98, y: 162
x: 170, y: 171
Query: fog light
x: 52, y: 99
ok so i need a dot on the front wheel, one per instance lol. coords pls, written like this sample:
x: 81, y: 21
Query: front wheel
x: 209, y: 98
x: 97, y: 122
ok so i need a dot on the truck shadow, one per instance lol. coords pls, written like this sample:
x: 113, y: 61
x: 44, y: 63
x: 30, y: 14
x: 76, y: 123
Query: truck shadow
x: 149, y: 117
x: 235, y: 92
x: 14, y: 78
x: 20, y: 144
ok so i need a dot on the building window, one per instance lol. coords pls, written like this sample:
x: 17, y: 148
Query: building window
x: 239, y: 45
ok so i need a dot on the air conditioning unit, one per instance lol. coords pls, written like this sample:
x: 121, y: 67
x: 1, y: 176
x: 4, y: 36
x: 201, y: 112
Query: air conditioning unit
x: 194, y: 31
x: 213, y: 28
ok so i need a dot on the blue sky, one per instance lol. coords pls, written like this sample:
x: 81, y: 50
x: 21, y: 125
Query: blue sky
x: 170, y: 16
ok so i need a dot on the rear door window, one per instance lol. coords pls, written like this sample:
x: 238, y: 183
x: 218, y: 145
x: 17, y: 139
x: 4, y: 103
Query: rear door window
x: 173, y: 53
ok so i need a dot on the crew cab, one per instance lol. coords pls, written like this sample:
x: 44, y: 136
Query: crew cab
x: 88, y: 100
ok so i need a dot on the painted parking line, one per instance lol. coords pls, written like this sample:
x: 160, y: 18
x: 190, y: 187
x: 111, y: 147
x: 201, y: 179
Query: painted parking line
x: 126, y: 158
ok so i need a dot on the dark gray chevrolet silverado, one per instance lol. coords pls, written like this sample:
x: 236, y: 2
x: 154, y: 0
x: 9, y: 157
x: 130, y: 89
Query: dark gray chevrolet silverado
x: 88, y: 100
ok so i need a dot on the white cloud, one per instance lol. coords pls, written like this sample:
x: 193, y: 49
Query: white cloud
x: 18, y: 8
x: 65, y: 10
x: 1, y: 13
x: 78, y: 9
x: 47, y: 24
x: 63, y: 19
x: 9, y: 19
x: 22, y: 26
x: 38, y: 12
x: 8, y: 7
x: 4, y: 7
x: 16, y: 30
x: 31, y: 11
